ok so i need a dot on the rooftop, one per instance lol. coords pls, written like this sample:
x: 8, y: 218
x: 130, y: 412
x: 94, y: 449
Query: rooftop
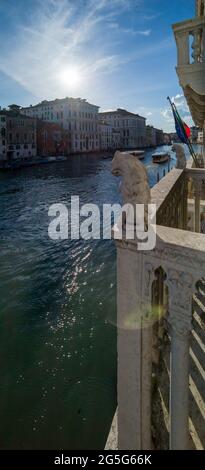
x: 14, y: 113
x: 60, y: 101
x: 123, y: 112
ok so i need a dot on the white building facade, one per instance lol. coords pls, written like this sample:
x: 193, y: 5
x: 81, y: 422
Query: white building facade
x: 76, y: 115
x: 17, y: 136
x: 116, y: 139
x: 151, y: 136
x: 132, y: 127
x: 3, y: 155
x: 110, y: 138
x: 105, y: 135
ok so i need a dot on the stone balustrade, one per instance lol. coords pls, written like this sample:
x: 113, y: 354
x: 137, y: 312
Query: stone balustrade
x: 190, y: 40
x: 166, y: 275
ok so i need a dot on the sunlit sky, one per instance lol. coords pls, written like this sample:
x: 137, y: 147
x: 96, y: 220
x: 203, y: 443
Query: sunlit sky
x: 114, y: 53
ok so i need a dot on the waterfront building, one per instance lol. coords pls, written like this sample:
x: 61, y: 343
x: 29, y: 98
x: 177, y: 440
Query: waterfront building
x: 151, y: 136
x: 174, y: 137
x: 3, y: 153
x: 167, y: 138
x: 105, y: 131
x: 78, y: 117
x: 18, y: 135
x: 110, y: 138
x: 159, y: 137
x: 52, y: 139
x: 132, y: 127
x: 116, y: 139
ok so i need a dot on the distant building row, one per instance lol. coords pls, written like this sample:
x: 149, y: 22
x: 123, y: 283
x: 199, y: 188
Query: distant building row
x: 72, y: 125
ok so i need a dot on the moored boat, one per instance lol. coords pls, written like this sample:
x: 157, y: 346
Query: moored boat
x: 138, y: 153
x: 160, y: 157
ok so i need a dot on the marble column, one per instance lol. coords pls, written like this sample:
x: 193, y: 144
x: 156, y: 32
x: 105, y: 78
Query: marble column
x: 180, y: 323
x: 134, y: 353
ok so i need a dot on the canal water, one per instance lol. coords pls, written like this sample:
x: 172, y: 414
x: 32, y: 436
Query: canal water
x: 57, y: 310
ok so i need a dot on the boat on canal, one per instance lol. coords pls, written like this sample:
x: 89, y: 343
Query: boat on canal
x: 137, y: 153
x: 160, y: 157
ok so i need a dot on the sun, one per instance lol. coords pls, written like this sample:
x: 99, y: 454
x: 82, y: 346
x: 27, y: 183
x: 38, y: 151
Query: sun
x: 71, y: 77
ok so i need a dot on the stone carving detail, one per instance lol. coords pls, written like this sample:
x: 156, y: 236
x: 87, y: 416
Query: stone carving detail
x: 181, y: 285
x: 134, y: 187
x: 196, y: 103
x: 180, y: 154
x: 149, y: 277
x: 180, y: 323
x: 181, y: 288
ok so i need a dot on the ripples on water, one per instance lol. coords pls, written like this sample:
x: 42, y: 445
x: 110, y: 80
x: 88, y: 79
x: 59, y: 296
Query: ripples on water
x: 57, y: 311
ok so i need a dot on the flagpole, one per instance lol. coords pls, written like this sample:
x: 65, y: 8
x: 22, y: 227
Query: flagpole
x: 188, y: 141
x: 181, y: 125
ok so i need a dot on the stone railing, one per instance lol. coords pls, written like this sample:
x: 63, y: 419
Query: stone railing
x: 174, y: 195
x: 170, y: 196
x: 190, y: 40
x: 152, y: 286
x: 190, y: 52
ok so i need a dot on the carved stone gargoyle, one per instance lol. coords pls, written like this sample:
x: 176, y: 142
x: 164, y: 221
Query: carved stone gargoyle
x: 134, y: 186
x: 180, y: 154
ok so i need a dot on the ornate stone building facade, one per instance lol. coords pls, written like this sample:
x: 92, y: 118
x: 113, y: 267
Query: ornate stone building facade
x: 110, y: 138
x: 18, y: 135
x: 132, y: 127
x: 78, y: 117
x: 52, y: 140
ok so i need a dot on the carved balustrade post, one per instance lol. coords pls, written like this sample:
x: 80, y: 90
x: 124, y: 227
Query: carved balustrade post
x: 197, y: 204
x: 181, y: 288
x: 182, y: 39
x: 185, y: 206
x: 197, y: 45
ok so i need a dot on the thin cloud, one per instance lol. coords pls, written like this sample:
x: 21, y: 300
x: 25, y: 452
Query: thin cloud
x: 62, y: 35
x: 55, y: 38
x: 181, y: 104
x: 151, y: 17
x: 131, y: 31
x: 134, y: 32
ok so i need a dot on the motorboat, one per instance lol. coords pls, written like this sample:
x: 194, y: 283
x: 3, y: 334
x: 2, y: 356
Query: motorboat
x: 160, y: 157
x: 138, y: 153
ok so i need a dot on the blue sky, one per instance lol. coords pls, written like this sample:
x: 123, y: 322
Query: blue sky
x: 115, y: 53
